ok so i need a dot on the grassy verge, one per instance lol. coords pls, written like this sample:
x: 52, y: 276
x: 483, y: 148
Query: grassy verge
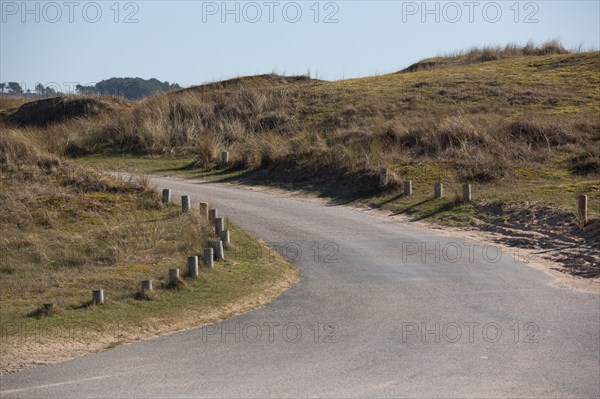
x: 533, y: 186
x: 182, y: 167
x: 550, y: 185
x: 67, y: 231
x: 249, y: 276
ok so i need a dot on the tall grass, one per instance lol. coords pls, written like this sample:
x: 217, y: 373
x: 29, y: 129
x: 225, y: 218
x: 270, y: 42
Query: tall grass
x: 481, y: 124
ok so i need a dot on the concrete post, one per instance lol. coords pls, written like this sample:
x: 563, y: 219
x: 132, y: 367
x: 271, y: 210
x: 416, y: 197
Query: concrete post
x: 224, y: 159
x: 438, y: 191
x: 467, y: 193
x: 219, y: 226
x: 48, y: 307
x: 185, y: 203
x: 98, y: 297
x: 173, y: 274
x: 225, y: 237
x: 193, y: 266
x: 212, y: 215
x: 408, y: 187
x: 166, y: 196
x: 582, y: 209
x: 146, y: 286
x: 384, y: 177
x: 204, y: 209
x: 209, y: 257
x: 219, y: 252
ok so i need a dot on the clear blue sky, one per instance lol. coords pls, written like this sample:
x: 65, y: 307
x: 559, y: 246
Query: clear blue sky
x: 189, y: 43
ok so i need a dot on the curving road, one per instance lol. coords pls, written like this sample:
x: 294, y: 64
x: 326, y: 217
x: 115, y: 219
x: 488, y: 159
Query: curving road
x: 383, y: 309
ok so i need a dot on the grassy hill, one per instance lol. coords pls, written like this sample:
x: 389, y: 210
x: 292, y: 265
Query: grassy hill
x: 503, y: 114
x: 520, y: 123
x: 68, y: 230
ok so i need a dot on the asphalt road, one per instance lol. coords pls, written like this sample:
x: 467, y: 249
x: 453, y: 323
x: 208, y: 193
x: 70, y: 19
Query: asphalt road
x: 383, y: 309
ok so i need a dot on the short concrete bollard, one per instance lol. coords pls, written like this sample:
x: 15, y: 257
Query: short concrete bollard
x: 247, y: 158
x: 193, y: 266
x: 384, y: 177
x: 209, y: 257
x: 204, y: 209
x: 225, y: 237
x: 98, y: 297
x: 224, y: 159
x: 166, y: 196
x: 185, y: 203
x: 219, y: 226
x: 467, y: 193
x: 219, y: 252
x: 212, y: 215
x: 582, y: 209
x: 408, y: 189
x: 147, y: 286
x: 438, y: 190
x: 173, y: 274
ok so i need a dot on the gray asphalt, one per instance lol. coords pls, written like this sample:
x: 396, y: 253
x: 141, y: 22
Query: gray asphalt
x: 383, y: 309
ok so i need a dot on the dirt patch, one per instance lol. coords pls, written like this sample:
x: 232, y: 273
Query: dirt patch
x: 553, y: 233
x: 540, y: 260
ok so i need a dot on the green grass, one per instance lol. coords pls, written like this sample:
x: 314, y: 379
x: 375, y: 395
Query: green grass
x: 251, y: 274
x: 182, y: 167
x: 159, y: 165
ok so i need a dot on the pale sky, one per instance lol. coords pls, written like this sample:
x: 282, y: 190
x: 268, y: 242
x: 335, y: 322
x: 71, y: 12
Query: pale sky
x: 191, y: 42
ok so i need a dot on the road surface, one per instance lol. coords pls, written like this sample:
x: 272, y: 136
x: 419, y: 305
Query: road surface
x: 383, y: 308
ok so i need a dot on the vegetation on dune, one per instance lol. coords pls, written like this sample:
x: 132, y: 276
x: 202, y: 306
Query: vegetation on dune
x: 521, y: 122
x: 130, y: 88
x: 488, y: 53
x: 481, y: 121
x: 57, y: 109
x: 67, y: 230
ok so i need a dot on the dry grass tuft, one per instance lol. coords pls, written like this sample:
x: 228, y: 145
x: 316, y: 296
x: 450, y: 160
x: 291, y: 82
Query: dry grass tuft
x: 175, y: 284
x: 587, y: 162
x: 46, y: 310
x: 146, y: 295
x: 536, y: 134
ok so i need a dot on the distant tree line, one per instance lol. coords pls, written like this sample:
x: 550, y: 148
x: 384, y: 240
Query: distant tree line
x: 131, y: 88
x: 16, y: 88
x: 45, y: 91
x: 11, y: 88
